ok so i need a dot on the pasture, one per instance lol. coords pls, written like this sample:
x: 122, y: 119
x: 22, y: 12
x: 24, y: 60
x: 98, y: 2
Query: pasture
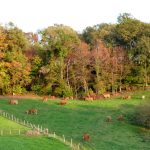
x: 79, y: 117
x: 22, y: 142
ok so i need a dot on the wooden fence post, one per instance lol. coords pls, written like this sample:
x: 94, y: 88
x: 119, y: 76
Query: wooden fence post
x: 64, y: 138
x: 1, y: 132
x: 79, y: 146
x: 19, y: 131
x: 71, y: 143
x: 11, y: 117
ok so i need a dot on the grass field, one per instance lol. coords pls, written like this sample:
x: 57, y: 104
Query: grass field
x: 79, y: 117
x: 22, y: 142
x: 28, y: 143
x: 7, y: 124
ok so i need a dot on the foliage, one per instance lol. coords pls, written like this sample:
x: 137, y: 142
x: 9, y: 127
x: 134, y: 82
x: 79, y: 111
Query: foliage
x: 59, y: 61
x: 142, y: 115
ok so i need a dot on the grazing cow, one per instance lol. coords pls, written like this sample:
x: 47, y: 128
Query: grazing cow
x: 52, y: 97
x: 32, y: 111
x: 120, y: 118
x: 88, y: 98
x: 106, y: 95
x: 86, y: 137
x: 63, y: 102
x: 109, y: 119
x: 65, y: 98
x: 33, y: 133
x: 99, y: 97
x: 71, y: 97
x: 126, y: 97
x: 45, y: 99
x: 13, y: 102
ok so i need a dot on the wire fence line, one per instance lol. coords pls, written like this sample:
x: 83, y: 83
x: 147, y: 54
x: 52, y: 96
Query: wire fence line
x: 5, y: 132
x: 40, y: 128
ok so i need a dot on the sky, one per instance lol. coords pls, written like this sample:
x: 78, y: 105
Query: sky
x: 32, y: 15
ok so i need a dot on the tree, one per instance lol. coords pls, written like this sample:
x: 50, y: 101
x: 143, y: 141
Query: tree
x: 14, y: 66
x: 127, y: 30
x: 142, y: 57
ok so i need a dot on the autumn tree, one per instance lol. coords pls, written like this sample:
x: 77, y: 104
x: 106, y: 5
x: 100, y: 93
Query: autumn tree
x: 15, y: 68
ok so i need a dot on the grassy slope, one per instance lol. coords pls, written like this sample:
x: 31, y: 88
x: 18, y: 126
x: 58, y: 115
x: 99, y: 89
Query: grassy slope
x: 78, y: 117
x: 28, y: 143
x: 7, y: 124
x: 14, y: 142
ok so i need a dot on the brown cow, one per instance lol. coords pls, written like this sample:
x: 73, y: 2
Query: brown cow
x: 13, y: 102
x: 65, y: 98
x: 120, y: 118
x: 63, y: 102
x: 126, y: 97
x: 71, y: 97
x: 88, y: 98
x: 33, y: 133
x: 86, y: 137
x: 109, y: 119
x: 32, y: 111
x: 45, y: 99
x: 106, y: 95
x: 52, y: 97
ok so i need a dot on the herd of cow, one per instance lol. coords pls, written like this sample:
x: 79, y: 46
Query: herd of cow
x: 64, y: 101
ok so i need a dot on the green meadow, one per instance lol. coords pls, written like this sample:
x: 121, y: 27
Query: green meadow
x: 79, y: 117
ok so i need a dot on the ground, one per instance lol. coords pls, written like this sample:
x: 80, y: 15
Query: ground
x: 79, y: 117
x: 22, y: 142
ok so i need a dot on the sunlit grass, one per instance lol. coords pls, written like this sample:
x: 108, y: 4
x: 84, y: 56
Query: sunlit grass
x: 78, y: 117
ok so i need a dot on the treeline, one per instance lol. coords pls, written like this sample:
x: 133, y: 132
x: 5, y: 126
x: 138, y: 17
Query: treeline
x: 59, y: 61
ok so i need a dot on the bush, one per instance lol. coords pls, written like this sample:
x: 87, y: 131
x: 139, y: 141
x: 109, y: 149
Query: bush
x: 142, y: 115
x: 36, y: 88
x: 63, y: 90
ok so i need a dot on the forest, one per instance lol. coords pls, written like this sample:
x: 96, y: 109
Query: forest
x: 60, y: 61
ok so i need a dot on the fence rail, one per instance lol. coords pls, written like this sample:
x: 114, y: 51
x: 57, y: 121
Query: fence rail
x: 42, y: 130
x: 4, y: 132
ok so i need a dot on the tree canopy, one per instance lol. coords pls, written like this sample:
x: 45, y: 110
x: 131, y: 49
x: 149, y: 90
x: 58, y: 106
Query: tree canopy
x: 59, y: 61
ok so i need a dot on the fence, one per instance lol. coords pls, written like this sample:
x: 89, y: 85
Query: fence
x: 12, y: 132
x: 42, y: 130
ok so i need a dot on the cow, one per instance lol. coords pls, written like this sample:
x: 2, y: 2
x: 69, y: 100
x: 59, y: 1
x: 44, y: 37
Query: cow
x: 71, y: 97
x: 106, y: 95
x: 52, y: 97
x: 63, y: 102
x: 45, y: 99
x: 120, y: 118
x: 86, y: 137
x: 126, y: 97
x: 32, y: 111
x: 88, y: 98
x: 33, y: 133
x: 65, y: 98
x: 109, y: 119
x: 13, y: 102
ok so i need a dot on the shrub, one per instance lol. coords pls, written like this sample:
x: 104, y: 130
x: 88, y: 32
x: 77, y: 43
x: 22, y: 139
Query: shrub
x: 63, y: 90
x: 142, y: 115
x: 36, y: 88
